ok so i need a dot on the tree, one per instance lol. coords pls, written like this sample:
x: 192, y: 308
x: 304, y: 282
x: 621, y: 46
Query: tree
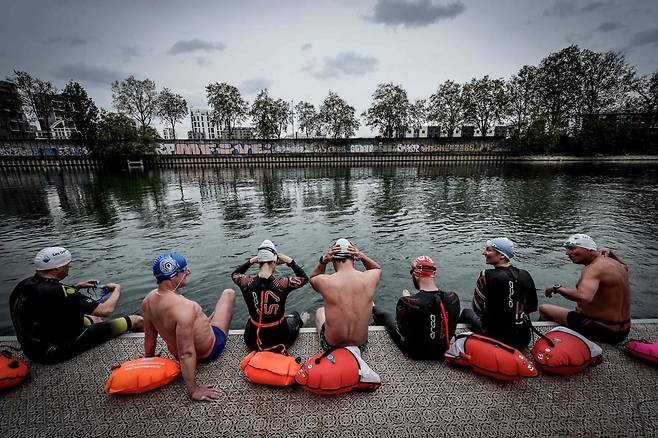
x: 521, y: 90
x: 270, y: 116
x: 646, y: 89
x: 559, y: 88
x: 81, y: 111
x: 606, y: 78
x: 389, y: 111
x: 446, y: 106
x: 337, y: 117
x: 418, y: 114
x: 484, y: 102
x: 228, y: 107
x: 118, y: 135
x: 37, y: 97
x: 137, y: 99
x: 308, y: 118
x: 171, y: 108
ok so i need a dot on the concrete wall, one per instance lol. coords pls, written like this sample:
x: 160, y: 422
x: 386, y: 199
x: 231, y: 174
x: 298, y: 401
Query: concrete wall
x: 36, y: 148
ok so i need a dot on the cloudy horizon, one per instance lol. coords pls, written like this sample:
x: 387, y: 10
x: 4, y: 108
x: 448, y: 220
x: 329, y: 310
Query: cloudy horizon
x: 302, y: 51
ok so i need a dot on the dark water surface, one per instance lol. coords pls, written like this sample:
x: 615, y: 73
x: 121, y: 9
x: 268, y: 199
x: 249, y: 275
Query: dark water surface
x: 116, y: 223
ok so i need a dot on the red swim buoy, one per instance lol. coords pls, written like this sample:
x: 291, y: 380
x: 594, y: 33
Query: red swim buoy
x: 564, y: 351
x: 12, y: 370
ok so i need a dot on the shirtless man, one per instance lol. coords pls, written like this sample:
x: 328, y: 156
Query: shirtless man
x: 602, y: 294
x: 190, y: 335
x: 347, y: 294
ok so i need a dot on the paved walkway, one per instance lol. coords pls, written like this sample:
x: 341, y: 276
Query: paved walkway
x: 616, y: 398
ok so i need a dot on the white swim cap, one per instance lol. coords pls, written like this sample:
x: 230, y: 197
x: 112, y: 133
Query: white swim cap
x: 267, y: 252
x: 581, y: 240
x: 51, y: 258
x: 344, y: 252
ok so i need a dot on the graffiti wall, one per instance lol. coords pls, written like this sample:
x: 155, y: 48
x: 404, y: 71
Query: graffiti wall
x: 242, y: 148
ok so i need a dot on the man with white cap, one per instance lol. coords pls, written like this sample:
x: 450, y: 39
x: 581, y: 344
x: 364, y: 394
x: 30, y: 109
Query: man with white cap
x: 503, y: 298
x: 269, y: 328
x: 602, y: 293
x: 425, y: 322
x: 347, y: 294
x: 55, y: 322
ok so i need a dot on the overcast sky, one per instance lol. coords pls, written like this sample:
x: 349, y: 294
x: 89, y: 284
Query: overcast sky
x: 300, y: 50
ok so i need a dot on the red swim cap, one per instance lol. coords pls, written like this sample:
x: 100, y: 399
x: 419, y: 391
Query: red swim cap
x: 423, y: 266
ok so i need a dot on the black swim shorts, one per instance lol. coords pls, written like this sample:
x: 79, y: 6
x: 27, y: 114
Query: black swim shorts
x: 594, y: 331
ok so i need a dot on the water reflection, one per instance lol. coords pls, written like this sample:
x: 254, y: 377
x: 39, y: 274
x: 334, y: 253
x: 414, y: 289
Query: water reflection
x: 116, y: 223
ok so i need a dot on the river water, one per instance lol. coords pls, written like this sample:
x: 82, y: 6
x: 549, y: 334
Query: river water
x: 115, y: 223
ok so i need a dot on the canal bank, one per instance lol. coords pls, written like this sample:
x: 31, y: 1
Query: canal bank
x: 417, y: 398
x: 308, y: 159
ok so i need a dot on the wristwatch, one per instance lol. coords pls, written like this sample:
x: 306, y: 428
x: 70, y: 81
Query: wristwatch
x: 321, y: 261
x: 556, y: 287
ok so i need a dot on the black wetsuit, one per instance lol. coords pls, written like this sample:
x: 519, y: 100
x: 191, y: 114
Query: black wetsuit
x: 50, y: 323
x: 269, y: 296
x: 419, y: 327
x: 503, y: 300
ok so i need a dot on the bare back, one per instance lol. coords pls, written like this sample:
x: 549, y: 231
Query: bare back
x: 611, y: 302
x: 348, y: 297
x: 163, y: 311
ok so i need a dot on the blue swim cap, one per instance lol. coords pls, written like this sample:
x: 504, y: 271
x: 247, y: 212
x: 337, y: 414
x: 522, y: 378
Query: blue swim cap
x: 168, y: 265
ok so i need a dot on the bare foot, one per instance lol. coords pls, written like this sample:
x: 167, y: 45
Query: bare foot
x: 304, y: 316
x: 137, y: 323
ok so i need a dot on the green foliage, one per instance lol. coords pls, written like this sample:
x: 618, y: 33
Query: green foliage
x: 389, y: 111
x: 81, y: 111
x: 228, y: 106
x: 270, y: 116
x: 485, y: 102
x: 308, y: 118
x: 136, y: 98
x: 171, y: 108
x: 446, y: 107
x: 119, y: 135
x: 337, y: 117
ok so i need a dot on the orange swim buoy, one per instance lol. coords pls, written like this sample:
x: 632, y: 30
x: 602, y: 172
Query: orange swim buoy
x: 12, y: 370
x: 564, y: 351
x: 489, y: 357
x: 141, y: 375
x: 336, y: 372
x: 269, y: 368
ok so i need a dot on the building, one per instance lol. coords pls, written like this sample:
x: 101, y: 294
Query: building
x: 13, y: 123
x: 60, y: 127
x: 202, y: 125
x: 168, y: 134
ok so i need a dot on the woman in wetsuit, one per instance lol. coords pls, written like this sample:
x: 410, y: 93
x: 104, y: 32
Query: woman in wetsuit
x: 268, y: 328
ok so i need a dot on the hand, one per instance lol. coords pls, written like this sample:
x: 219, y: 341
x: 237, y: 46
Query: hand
x: 406, y: 293
x: 205, y: 393
x: 550, y: 290
x: 356, y: 254
x: 283, y: 259
x: 113, y: 286
x: 86, y: 284
x: 253, y: 260
x: 329, y: 255
x: 605, y: 252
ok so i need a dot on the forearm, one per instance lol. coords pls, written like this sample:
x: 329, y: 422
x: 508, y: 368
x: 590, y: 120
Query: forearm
x: 242, y: 268
x: 149, y: 344
x: 188, y: 370
x: 106, y: 308
x: 297, y: 269
x: 369, y: 263
x: 320, y: 269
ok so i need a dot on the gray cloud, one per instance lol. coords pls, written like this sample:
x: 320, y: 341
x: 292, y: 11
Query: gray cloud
x: 254, y: 85
x: 201, y: 61
x: 593, y: 6
x: 186, y: 46
x: 413, y: 13
x: 560, y: 8
x: 647, y: 37
x: 73, y: 41
x: 91, y: 74
x: 306, y: 46
x: 128, y: 53
x: 609, y: 26
x: 343, y: 64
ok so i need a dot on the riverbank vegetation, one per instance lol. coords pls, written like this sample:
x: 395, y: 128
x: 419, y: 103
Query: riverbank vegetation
x: 574, y: 101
